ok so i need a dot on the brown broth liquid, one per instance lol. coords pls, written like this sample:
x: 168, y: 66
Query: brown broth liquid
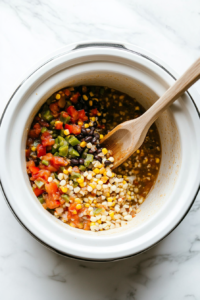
x: 144, y: 164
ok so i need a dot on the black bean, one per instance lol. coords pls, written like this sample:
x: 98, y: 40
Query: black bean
x: 83, y: 131
x: 99, y: 150
x: 79, y: 149
x: 98, y: 146
x: 79, y: 137
x: 81, y: 161
x: 79, y: 106
x: 97, y: 157
x: 94, y: 140
x: 95, y: 124
x: 88, y: 139
x: 97, y: 135
x: 91, y: 151
x: 74, y: 161
x: 92, y: 130
x: 107, y: 162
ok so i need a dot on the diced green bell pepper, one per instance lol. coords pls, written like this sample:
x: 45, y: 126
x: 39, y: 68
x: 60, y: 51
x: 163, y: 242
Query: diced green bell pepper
x: 75, y: 175
x: 45, y: 162
x: 43, y: 129
x: 88, y: 160
x: 41, y: 199
x: 68, y: 103
x: 75, y: 184
x: 74, y: 141
x: 39, y: 183
x: 47, y: 116
x: 72, y: 152
x: 56, y: 153
x: 97, y: 211
x: 63, y: 150
x: 82, y: 168
x: 65, y: 197
x: 84, y: 154
x: 63, y: 119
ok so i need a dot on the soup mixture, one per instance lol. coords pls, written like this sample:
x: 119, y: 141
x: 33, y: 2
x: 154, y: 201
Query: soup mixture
x: 71, y: 173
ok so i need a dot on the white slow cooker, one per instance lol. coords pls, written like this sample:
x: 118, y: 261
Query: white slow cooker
x: 131, y: 70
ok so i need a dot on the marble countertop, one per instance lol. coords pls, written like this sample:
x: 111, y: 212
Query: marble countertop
x: 31, y: 29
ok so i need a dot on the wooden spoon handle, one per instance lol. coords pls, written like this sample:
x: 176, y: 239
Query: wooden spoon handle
x: 173, y: 93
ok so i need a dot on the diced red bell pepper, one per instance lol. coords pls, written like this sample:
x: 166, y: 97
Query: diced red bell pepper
x: 74, y: 98
x: 38, y: 191
x: 94, y: 112
x: 82, y: 116
x: 41, y: 150
x: 59, y: 125
x: 34, y: 170
x: 75, y: 129
x: 67, y: 92
x: 73, y: 114
x: 35, y: 132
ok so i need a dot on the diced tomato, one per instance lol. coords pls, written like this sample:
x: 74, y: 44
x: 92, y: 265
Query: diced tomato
x: 41, y: 150
x: 35, y: 132
x: 52, y: 200
x: 59, y: 125
x: 82, y: 116
x: 51, y: 187
x: 101, y: 126
x: 74, y: 98
x: 38, y: 191
x: 76, y: 169
x: 48, y: 156
x: 75, y: 129
x: 86, y: 225
x: 47, y: 139
x: 34, y: 170
x: 44, y: 174
x: 30, y: 163
x: 94, y: 112
x: 67, y: 92
x: 54, y: 107
x: 73, y: 114
x: 58, y: 162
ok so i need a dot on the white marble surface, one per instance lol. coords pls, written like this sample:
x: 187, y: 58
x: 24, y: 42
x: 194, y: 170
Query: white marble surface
x: 30, y: 29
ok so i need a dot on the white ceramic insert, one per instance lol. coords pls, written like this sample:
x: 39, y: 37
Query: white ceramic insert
x: 130, y: 70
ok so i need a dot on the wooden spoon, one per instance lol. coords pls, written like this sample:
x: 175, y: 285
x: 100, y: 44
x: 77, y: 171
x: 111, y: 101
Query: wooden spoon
x: 127, y: 137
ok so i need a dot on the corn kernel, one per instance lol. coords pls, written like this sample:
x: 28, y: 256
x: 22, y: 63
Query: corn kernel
x: 85, y: 97
x: 64, y: 189
x: 65, y: 171
x: 129, y: 193
x: 78, y: 200
x: 124, y: 182
x: 101, y: 136
x: 157, y: 160
x: 90, y: 124
x: 98, y: 114
x: 112, y: 214
x: 96, y: 171
x: 92, y: 185
x: 87, y: 205
x: 78, y: 206
x: 105, y: 151
x: 104, y: 173
x: 113, y: 204
x: 83, y: 144
x: 91, y: 94
x: 93, y: 119
x: 101, y: 171
x: 138, y: 151
x: 33, y: 148
x: 74, y: 212
x: 86, y: 125
x: 90, y: 103
x: 113, y: 175
x: 129, y: 197
x: 58, y: 96
x: 95, y: 201
x: 109, y: 199
x: 66, y: 132
x: 81, y: 184
x: 137, y: 108
x: 90, y: 201
x: 92, y: 224
x: 80, y: 180
x: 99, y: 221
x: 72, y: 224
x: 70, y: 169
x: 100, y: 166
x: 108, y: 195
